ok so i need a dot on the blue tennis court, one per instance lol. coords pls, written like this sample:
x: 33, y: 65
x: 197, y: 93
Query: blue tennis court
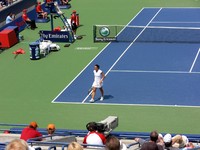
x: 147, y: 73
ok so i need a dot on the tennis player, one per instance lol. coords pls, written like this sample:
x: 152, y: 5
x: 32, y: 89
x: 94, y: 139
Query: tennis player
x: 99, y: 76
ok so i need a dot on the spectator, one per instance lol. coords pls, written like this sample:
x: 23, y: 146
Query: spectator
x: 30, y: 132
x: 74, y: 146
x: 9, y: 2
x: 17, y: 144
x: 181, y: 141
x: 40, y: 11
x: 149, y: 146
x: 153, y: 138
x: 94, y: 137
x: 51, y: 129
x: 10, y: 17
x: 64, y: 2
x: 113, y: 143
x: 28, y: 20
x: 168, y: 142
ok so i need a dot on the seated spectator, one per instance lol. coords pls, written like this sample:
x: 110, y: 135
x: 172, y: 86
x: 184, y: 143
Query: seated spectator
x: 30, y: 132
x: 51, y: 129
x: 113, y: 143
x: 94, y: 137
x: 49, y: 1
x: 74, y: 146
x: 153, y: 138
x: 168, y: 142
x: 181, y: 141
x: 17, y: 144
x: 10, y: 17
x: 64, y: 2
x: 40, y: 11
x: 9, y: 2
x: 3, y: 3
x: 149, y: 146
x: 28, y: 20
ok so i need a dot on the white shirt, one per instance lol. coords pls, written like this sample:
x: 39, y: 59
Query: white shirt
x: 97, y: 78
x: 97, y: 75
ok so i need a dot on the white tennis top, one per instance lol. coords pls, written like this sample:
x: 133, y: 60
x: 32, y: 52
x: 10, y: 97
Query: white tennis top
x: 97, y: 78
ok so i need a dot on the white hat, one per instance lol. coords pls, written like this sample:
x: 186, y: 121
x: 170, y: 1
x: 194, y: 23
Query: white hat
x: 160, y: 135
x: 167, y: 138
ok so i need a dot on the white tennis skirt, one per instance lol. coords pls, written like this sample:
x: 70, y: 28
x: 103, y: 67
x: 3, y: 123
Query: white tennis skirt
x: 97, y: 84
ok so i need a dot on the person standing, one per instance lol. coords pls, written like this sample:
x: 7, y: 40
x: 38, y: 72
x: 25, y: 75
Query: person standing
x: 73, y: 22
x: 99, y: 76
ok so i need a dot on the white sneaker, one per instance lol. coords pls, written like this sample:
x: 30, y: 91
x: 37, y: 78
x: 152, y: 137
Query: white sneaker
x: 101, y: 99
x: 91, y: 101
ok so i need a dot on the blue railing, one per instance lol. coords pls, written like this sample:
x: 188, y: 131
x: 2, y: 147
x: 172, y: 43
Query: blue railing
x: 17, y: 128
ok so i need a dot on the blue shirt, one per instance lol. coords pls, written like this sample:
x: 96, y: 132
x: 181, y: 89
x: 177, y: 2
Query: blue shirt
x: 8, y: 19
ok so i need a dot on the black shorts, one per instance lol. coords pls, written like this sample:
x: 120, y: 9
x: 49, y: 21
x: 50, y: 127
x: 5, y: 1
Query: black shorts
x: 74, y: 26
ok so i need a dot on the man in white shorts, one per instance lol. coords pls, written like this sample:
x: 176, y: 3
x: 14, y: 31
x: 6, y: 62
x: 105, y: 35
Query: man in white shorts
x: 98, y: 82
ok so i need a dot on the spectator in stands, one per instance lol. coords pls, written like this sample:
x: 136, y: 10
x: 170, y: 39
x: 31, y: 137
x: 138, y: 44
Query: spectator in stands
x: 1, y: 5
x: 113, y: 143
x: 153, y: 138
x: 168, y: 142
x: 51, y: 129
x: 10, y: 17
x: 74, y: 146
x: 31, y: 132
x: 40, y: 11
x: 4, y: 3
x: 180, y: 141
x: 9, y: 2
x: 149, y: 146
x: 49, y: 1
x: 28, y: 20
x: 73, y: 22
x: 93, y: 136
x: 64, y: 2
x: 17, y: 144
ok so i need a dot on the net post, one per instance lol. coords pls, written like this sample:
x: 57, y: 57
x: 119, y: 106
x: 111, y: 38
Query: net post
x: 94, y: 33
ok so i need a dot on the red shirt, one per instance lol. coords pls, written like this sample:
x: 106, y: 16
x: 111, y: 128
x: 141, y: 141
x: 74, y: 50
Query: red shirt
x: 38, y: 8
x: 48, y: 1
x: 25, y: 16
x: 73, y: 18
x: 28, y: 133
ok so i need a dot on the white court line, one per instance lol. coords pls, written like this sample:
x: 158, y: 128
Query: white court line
x: 194, y: 61
x: 164, y: 72
x: 126, y: 50
x: 141, y: 105
x: 195, y: 22
x: 89, y: 63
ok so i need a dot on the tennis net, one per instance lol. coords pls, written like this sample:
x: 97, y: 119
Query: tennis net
x: 120, y: 33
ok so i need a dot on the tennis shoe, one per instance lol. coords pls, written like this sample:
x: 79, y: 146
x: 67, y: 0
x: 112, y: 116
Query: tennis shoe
x: 91, y: 101
x: 101, y: 99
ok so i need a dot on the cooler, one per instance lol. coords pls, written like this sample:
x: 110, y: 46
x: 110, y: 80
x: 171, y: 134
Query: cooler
x: 34, y: 50
x: 8, y: 38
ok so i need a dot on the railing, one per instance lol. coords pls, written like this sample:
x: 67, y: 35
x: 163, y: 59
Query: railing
x: 17, y: 128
